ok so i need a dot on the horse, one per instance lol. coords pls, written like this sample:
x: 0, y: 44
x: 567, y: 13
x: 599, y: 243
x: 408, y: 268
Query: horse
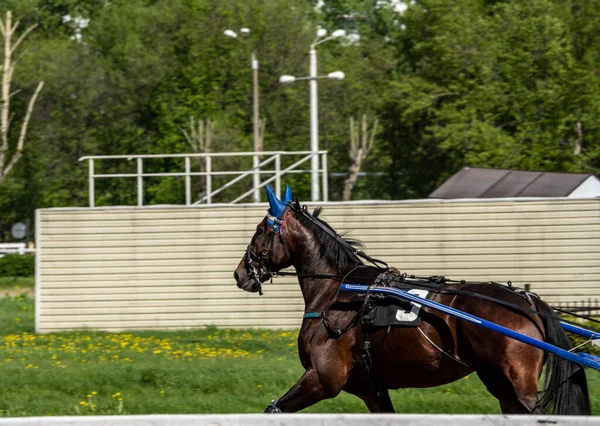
x: 340, y: 353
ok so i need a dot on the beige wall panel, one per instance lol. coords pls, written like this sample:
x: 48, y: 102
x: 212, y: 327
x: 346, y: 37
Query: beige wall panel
x: 170, y: 267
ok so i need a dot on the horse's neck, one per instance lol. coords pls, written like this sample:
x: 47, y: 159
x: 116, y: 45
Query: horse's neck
x: 317, y: 292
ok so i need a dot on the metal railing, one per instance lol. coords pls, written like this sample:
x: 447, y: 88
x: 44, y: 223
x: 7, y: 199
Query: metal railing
x: 272, y: 157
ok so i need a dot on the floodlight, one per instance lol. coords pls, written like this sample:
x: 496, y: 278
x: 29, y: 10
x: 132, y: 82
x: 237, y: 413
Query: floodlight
x: 230, y: 33
x: 336, y: 75
x: 287, y: 79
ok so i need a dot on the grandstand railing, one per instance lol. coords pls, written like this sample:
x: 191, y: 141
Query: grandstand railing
x: 268, y: 158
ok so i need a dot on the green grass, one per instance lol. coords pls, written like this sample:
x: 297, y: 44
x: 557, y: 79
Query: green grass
x: 203, y: 371
x: 9, y: 283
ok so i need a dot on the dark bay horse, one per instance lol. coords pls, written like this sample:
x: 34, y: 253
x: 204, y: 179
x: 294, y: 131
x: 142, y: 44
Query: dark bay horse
x: 440, y: 350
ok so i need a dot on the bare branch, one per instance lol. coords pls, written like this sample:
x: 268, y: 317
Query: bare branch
x: 19, y: 58
x: 14, y: 28
x: 14, y: 93
x: 20, y: 39
x: 188, y: 139
x: 10, y: 120
x: 200, y: 135
x: 7, y: 25
x: 578, y: 139
x: 2, y: 28
x: 353, y: 141
x: 373, y: 133
x: 16, y: 156
x: 359, y: 134
x: 28, y: 116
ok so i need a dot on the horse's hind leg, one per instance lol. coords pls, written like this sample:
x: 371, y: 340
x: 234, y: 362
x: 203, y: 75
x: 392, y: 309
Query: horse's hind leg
x: 515, y: 388
x: 378, y: 402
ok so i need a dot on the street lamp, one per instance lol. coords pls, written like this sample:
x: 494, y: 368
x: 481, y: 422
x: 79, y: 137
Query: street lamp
x: 314, y: 111
x: 256, y: 115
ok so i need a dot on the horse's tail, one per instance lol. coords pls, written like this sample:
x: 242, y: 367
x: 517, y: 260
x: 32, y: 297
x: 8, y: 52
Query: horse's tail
x: 565, y: 385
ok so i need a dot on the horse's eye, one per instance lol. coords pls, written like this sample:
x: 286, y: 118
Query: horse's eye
x: 259, y: 231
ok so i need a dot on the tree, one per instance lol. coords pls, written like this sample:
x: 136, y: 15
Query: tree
x: 8, y: 162
x: 361, y: 145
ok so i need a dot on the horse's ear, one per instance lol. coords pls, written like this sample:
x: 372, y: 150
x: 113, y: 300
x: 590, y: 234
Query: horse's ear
x: 275, y: 205
x: 287, y: 195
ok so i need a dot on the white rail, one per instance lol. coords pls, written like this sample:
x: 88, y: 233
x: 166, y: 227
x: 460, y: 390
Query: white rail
x: 14, y: 248
x: 271, y: 157
x: 304, y: 420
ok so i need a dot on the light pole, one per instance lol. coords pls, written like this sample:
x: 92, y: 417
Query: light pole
x: 314, y: 109
x: 256, y: 115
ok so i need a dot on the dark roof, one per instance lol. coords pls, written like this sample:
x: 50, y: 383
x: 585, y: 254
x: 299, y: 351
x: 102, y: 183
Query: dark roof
x: 497, y: 183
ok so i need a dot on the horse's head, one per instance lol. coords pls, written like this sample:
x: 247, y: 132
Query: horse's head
x: 267, y: 252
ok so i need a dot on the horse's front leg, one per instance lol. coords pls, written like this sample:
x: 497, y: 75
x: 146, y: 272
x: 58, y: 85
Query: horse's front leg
x: 310, y: 389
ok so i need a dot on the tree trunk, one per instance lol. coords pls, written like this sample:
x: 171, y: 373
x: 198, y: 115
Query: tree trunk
x: 8, y: 67
x: 353, y: 176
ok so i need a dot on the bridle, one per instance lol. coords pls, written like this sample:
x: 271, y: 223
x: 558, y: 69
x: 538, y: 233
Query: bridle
x: 259, y: 266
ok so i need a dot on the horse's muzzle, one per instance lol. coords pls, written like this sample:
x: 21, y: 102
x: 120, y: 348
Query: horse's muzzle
x: 251, y: 286
x: 244, y: 280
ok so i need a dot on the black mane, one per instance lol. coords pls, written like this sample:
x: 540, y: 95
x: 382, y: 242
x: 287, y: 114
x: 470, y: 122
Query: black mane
x: 332, y: 250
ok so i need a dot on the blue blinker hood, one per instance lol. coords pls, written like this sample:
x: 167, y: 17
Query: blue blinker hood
x: 277, y: 208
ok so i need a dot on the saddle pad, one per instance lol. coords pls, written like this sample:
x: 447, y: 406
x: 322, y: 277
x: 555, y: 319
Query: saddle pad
x: 396, y: 313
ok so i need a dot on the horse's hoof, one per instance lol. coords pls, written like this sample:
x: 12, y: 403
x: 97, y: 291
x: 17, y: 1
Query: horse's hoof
x: 272, y: 408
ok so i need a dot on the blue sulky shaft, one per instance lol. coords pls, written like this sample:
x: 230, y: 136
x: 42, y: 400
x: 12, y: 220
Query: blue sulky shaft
x: 583, y: 359
x: 580, y: 331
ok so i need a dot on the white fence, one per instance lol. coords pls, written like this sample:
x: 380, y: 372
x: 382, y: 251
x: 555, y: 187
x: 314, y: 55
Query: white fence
x: 14, y: 248
x: 171, y: 267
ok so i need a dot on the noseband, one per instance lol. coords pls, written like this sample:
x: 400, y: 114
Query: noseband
x: 259, y: 266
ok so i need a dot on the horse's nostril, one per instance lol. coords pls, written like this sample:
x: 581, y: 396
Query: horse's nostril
x: 236, y: 276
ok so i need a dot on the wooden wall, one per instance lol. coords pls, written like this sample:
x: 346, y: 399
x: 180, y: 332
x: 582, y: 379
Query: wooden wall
x: 171, y: 267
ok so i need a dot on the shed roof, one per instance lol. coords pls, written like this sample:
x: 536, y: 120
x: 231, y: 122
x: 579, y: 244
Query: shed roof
x: 473, y: 182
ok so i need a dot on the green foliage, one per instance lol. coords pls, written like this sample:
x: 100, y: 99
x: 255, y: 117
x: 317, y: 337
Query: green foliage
x: 17, y: 265
x: 494, y: 86
x: 453, y: 82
